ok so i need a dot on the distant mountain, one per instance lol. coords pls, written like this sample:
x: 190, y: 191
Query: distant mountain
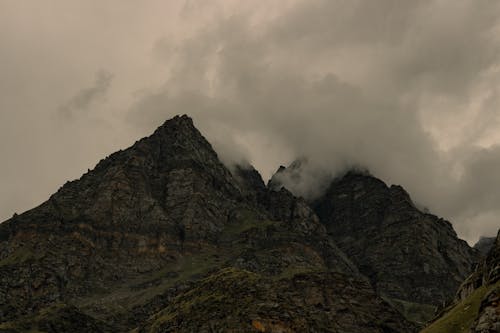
x: 414, y: 259
x: 162, y: 237
x: 484, y: 245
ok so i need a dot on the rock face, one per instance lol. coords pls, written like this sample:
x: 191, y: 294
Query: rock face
x: 164, y: 223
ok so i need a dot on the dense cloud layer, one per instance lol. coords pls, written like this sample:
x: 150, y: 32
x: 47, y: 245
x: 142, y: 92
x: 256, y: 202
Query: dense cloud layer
x: 408, y: 90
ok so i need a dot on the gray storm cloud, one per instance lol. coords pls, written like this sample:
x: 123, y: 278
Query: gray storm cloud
x: 408, y: 90
x: 368, y: 84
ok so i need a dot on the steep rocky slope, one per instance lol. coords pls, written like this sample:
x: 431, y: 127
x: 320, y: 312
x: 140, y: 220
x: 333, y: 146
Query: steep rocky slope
x: 239, y: 301
x: 413, y: 259
x: 153, y: 226
x: 477, y: 305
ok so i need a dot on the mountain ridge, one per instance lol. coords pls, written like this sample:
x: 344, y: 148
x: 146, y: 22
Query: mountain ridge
x: 151, y: 224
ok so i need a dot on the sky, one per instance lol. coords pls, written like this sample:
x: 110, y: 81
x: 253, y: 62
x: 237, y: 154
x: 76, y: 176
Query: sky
x: 406, y: 89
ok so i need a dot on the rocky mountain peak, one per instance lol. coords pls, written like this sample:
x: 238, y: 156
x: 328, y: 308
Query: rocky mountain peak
x: 179, y: 128
x: 284, y: 176
x: 178, y: 120
x: 177, y: 139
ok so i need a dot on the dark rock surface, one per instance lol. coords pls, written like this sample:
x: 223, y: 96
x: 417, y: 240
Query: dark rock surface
x: 136, y: 234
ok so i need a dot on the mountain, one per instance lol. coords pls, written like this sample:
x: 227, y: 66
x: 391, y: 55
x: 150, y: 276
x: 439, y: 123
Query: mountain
x: 484, y: 245
x: 414, y: 259
x: 477, y: 305
x: 162, y: 237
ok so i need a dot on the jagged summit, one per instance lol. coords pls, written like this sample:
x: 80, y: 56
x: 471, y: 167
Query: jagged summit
x: 181, y: 130
x: 178, y: 138
x: 287, y: 176
x: 177, y: 120
x: 177, y: 123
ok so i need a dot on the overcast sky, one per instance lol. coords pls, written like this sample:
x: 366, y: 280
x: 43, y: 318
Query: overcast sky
x: 407, y: 89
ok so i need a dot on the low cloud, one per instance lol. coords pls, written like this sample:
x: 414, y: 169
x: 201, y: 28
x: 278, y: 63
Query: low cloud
x: 405, y: 90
